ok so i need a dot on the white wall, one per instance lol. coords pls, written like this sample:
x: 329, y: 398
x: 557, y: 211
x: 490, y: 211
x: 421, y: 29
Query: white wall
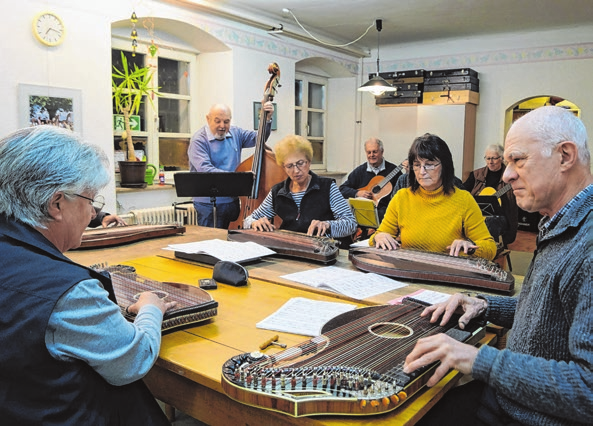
x: 83, y: 62
x: 511, y: 67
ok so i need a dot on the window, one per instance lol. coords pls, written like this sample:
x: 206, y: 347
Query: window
x: 164, y: 132
x: 310, y: 114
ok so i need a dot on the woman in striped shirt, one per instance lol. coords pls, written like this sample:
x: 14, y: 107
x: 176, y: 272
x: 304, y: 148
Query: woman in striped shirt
x: 305, y: 202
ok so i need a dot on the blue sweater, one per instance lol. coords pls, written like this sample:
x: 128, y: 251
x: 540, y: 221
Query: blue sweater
x: 545, y: 376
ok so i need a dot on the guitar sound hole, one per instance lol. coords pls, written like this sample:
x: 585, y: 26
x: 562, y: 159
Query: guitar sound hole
x: 391, y: 330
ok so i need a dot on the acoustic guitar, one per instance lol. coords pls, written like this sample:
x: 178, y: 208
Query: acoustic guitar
x: 380, y: 186
x: 491, y: 191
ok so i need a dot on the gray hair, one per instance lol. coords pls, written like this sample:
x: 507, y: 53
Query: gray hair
x: 551, y: 125
x: 37, y: 162
x: 374, y: 140
x: 496, y: 148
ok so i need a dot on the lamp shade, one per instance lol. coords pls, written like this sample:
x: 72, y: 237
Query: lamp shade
x: 377, y: 86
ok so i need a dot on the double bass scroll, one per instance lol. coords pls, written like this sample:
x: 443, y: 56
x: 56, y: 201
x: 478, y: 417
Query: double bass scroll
x: 266, y: 173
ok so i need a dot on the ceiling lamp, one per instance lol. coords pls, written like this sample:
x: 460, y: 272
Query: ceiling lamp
x: 377, y: 85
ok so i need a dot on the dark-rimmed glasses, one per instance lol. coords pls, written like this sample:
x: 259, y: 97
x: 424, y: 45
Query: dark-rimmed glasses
x: 492, y: 158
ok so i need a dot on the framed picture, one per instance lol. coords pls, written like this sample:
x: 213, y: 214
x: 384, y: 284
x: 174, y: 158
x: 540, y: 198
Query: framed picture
x: 55, y: 106
x: 256, y: 114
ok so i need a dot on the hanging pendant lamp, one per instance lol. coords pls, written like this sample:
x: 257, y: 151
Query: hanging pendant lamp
x: 377, y: 85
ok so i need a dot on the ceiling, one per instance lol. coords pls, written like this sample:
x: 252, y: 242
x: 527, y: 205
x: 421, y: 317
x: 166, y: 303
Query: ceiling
x: 404, y: 21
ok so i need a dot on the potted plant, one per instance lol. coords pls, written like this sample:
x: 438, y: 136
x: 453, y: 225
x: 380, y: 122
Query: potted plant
x: 129, y: 88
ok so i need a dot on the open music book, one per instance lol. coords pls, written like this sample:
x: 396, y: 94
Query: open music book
x: 355, y: 284
x: 211, y: 251
x: 303, y: 316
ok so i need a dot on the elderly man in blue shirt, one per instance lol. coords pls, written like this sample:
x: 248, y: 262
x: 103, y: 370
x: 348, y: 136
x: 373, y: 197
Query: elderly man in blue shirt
x: 216, y: 148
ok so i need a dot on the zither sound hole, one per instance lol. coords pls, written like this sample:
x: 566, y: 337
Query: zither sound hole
x: 391, y: 330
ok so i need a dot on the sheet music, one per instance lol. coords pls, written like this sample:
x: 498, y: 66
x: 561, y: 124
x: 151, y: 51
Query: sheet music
x: 428, y: 296
x: 224, y: 250
x: 354, y: 284
x: 361, y: 243
x: 303, y: 316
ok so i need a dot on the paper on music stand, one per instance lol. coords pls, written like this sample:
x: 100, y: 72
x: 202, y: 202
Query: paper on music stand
x: 224, y: 250
x: 355, y: 284
x: 303, y: 316
x: 365, y: 212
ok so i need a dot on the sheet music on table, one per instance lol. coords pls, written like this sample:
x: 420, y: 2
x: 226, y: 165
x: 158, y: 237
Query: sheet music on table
x: 224, y: 250
x: 304, y: 316
x: 428, y: 296
x: 355, y: 284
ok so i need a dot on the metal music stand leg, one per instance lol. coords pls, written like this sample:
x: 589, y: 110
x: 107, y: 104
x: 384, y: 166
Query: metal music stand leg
x: 213, y: 201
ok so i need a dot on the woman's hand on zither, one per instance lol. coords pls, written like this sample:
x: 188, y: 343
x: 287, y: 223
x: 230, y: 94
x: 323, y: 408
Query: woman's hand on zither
x: 318, y: 228
x: 263, y: 224
x: 457, y: 246
x: 385, y: 241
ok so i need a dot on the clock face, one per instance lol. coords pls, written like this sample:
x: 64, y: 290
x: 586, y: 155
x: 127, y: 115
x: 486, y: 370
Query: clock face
x: 49, y: 29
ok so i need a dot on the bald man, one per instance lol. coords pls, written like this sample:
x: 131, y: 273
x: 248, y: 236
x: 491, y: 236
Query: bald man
x: 216, y: 148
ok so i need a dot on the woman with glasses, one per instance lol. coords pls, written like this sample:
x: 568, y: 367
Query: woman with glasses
x: 431, y: 214
x: 67, y: 354
x: 305, y: 202
x: 487, y: 181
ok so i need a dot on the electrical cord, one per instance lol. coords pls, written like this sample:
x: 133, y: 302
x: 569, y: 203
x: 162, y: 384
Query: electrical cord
x: 323, y: 42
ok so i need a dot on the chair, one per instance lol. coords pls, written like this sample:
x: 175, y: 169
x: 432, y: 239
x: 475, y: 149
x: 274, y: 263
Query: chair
x: 496, y: 226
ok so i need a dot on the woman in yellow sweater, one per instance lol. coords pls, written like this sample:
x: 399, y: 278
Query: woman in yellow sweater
x: 432, y: 214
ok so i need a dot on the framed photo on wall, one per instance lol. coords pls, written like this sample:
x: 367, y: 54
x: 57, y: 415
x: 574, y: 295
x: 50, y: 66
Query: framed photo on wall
x: 256, y: 114
x: 46, y: 105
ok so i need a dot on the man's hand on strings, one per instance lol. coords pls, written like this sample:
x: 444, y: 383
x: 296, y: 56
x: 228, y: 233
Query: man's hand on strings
x: 150, y: 298
x: 451, y: 353
x: 268, y: 107
x: 461, y: 304
x: 363, y: 193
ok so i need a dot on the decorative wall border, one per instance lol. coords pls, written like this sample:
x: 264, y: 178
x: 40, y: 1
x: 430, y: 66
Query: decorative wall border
x: 500, y: 57
x: 233, y: 36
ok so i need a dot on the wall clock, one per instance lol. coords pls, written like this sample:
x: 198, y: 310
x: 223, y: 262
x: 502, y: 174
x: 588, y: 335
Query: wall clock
x: 49, y: 28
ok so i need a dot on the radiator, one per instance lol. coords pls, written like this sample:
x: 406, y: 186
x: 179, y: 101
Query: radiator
x: 184, y: 214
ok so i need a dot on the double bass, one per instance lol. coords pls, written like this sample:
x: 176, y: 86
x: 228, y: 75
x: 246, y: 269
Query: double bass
x: 266, y: 173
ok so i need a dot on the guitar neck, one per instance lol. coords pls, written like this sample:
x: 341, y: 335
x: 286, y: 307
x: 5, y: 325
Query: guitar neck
x: 390, y: 176
x: 503, y: 190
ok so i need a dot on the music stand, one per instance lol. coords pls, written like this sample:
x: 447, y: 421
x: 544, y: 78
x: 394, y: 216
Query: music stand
x: 489, y: 205
x: 365, y: 212
x: 220, y: 184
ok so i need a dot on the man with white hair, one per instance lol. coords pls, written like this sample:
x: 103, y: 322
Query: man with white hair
x: 216, y: 148
x: 545, y: 375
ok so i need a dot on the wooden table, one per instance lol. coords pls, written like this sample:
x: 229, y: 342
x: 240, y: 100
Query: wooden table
x: 188, y: 372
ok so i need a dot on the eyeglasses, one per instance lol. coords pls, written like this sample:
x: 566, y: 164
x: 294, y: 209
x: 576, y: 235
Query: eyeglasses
x: 427, y: 167
x: 492, y: 158
x: 98, y: 202
x: 299, y: 165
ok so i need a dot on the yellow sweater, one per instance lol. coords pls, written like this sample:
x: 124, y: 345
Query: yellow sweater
x: 431, y: 220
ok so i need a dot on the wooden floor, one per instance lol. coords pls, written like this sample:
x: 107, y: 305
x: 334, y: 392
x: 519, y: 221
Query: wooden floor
x: 522, y: 252
x: 525, y: 242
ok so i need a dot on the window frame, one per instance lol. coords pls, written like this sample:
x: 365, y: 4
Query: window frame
x: 304, y: 109
x: 151, y: 118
